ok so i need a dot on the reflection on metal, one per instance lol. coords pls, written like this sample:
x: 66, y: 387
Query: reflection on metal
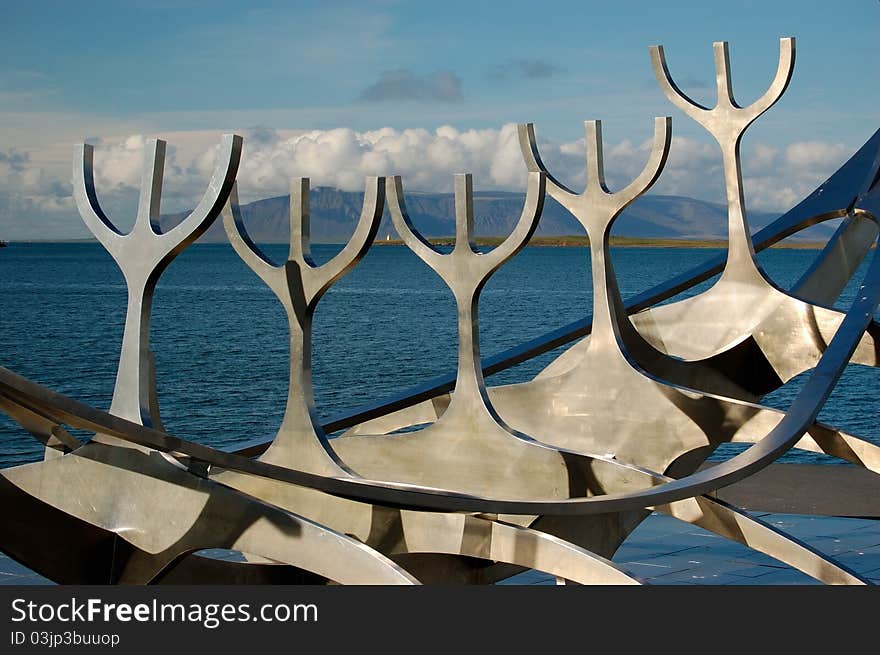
x: 469, y: 446
x: 107, y: 490
x: 142, y: 255
x: 744, y: 324
x: 552, y: 474
x: 470, y: 451
x: 830, y: 200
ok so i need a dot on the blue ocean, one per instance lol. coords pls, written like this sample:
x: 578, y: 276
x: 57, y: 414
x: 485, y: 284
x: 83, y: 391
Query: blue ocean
x: 220, y: 337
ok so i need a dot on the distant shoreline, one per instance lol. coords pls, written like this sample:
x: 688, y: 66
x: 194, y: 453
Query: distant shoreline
x: 539, y: 241
x: 617, y: 242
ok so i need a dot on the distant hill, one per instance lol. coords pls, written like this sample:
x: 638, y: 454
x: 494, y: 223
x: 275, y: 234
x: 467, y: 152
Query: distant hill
x: 334, y: 214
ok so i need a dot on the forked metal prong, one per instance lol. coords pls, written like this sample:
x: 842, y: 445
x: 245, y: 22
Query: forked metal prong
x: 212, y: 201
x: 300, y: 221
x: 597, y: 207
x: 670, y: 89
x: 406, y: 230
x: 723, y: 84
x: 465, y: 269
x: 237, y: 234
x: 727, y: 122
x: 315, y: 280
x: 741, y: 117
x: 525, y: 226
x: 595, y: 161
x: 142, y: 254
x: 299, y: 284
x: 98, y: 223
x: 529, y: 147
x: 150, y: 198
x: 781, y: 80
x: 354, y: 250
x: 464, y: 212
x: 653, y: 167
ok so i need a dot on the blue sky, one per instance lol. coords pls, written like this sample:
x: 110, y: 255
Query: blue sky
x: 116, y: 72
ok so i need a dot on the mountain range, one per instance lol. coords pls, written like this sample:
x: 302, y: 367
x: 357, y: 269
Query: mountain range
x: 334, y: 214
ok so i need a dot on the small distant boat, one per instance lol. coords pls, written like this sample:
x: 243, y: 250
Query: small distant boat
x: 3, y: 243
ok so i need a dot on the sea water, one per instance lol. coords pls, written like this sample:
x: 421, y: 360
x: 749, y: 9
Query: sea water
x: 221, y: 343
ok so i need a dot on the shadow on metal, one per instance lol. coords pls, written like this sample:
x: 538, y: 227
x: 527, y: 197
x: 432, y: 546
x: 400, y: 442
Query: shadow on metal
x: 552, y: 474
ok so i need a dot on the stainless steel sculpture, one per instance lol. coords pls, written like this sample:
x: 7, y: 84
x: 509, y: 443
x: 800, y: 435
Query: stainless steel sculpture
x: 553, y: 474
x: 496, y: 461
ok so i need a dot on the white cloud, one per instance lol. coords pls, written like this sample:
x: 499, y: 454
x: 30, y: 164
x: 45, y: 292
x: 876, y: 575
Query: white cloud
x: 694, y: 169
x: 33, y: 193
x: 814, y: 154
x: 342, y: 158
x: 28, y: 195
x: 777, y: 180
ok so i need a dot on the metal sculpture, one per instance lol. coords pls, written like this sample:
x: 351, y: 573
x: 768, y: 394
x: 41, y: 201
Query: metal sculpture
x: 500, y: 462
x: 134, y: 479
x: 778, y: 335
x: 553, y: 474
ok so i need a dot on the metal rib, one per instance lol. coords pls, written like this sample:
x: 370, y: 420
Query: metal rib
x: 505, y: 542
x: 196, y: 514
x: 299, y: 284
x: 725, y: 520
x: 142, y: 255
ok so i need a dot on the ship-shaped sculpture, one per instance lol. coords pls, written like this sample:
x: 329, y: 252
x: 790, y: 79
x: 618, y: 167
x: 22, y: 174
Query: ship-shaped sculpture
x: 552, y: 474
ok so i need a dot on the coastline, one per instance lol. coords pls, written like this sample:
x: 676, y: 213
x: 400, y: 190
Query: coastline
x: 573, y: 241
x: 615, y: 241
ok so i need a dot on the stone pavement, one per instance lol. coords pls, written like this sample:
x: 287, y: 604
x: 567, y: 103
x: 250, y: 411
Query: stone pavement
x: 665, y: 551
